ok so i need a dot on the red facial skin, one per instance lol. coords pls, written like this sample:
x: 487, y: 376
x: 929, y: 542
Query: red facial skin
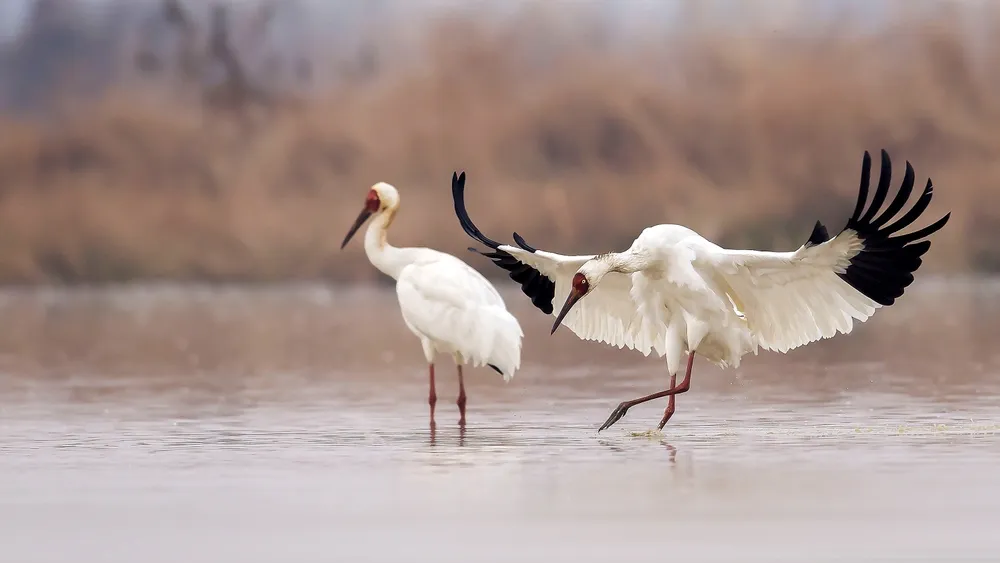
x: 372, y: 205
x: 580, y: 288
x: 372, y: 202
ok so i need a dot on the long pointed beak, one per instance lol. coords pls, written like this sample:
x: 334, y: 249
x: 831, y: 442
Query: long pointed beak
x: 365, y: 214
x: 574, y: 296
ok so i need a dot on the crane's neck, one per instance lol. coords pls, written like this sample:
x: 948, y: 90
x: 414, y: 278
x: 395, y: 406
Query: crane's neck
x: 627, y: 262
x: 387, y: 258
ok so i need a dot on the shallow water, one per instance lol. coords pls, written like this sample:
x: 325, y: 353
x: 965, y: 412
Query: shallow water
x: 290, y: 424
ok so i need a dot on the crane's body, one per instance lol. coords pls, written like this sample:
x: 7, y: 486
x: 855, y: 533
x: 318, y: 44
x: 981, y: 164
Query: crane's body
x: 650, y: 290
x: 449, y: 306
x: 455, y: 311
x: 675, y: 293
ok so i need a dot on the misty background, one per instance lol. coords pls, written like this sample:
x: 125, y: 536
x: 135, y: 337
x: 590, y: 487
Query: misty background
x: 191, y: 369
x: 235, y: 141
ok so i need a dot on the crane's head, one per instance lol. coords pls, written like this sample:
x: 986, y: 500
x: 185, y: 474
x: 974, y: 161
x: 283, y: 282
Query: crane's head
x: 584, y: 281
x: 381, y: 197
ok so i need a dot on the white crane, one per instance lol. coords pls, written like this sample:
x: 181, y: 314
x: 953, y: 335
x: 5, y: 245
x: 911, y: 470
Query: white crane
x: 676, y: 293
x: 447, y: 304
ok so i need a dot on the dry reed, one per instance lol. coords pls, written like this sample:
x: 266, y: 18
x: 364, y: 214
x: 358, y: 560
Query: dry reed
x: 747, y: 138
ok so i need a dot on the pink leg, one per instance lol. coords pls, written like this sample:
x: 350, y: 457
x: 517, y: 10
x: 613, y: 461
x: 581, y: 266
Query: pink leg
x: 461, y: 397
x: 670, y: 404
x: 623, y: 408
x: 684, y: 386
x: 432, y: 395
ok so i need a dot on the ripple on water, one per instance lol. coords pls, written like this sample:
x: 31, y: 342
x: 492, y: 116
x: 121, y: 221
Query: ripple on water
x: 280, y: 431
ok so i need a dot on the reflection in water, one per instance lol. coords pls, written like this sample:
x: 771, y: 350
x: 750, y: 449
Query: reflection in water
x: 672, y: 450
x: 461, y: 435
x: 291, y: 424
x: 623, y: 448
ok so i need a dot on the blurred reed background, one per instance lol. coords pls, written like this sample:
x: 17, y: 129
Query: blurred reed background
x: 235, y: 141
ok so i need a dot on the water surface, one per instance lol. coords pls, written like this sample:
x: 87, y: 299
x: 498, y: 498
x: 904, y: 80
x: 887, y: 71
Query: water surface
x: 289, y: 424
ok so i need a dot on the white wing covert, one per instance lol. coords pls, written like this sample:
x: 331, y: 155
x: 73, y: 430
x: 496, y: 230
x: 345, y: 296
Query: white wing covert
x: 794, y: 298
x: 607, y: 314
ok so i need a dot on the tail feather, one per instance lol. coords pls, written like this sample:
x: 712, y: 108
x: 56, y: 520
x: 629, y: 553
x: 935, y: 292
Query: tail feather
x: 501, y: 346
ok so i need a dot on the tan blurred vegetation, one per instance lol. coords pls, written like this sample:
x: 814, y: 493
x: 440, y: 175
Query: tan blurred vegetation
x: 746, y: 136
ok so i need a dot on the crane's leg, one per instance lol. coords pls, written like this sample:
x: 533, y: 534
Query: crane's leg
x: 623, y: 408
x: 432, y: 397
x: 461, y: 397
x: 684, y: 386
x: 670, y: 404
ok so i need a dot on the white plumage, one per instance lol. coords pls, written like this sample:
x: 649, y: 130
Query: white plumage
x: 607, y: 315
x: 676, y: 294
x: 454, y: 310
x: 446, y: 303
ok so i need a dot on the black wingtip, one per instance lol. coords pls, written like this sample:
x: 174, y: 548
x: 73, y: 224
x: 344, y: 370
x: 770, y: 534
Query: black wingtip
x: 884, y: 268
x: 866, y: 172
x: 496, y: 369
x: 538, y: 287
x: 523, y: 244
x: 819, y: 235
x: 881, y: 191
x: 458, y: 198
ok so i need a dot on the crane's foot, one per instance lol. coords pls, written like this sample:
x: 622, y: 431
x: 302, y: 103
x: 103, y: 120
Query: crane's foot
x: 623, y: 408
x: 666, y: 415
x: 617, y: 414
x: 670, y: 405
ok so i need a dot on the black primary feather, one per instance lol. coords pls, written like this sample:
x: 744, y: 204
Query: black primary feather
x: 536, y: 286
x: 819, y: 235
x: 520, y: 242
x: 884, y: 267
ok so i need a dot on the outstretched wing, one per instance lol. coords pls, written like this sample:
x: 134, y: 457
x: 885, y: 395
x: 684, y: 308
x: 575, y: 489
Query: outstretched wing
x: 607, y: 314
x: 794, y: 298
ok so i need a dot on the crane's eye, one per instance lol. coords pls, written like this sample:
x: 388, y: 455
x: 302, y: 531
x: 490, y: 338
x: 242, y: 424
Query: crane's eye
x: 372, y: 202
x: 580, y: 283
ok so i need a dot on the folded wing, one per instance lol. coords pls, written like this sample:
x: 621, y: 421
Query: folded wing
x: 451, y: 304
